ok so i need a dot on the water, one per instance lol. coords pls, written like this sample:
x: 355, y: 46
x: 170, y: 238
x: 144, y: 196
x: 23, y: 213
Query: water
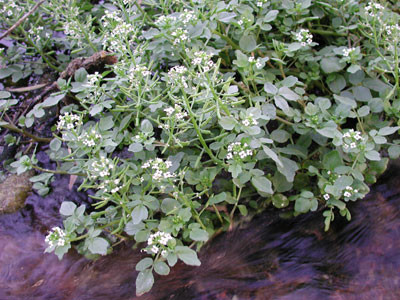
x: 267, y: 258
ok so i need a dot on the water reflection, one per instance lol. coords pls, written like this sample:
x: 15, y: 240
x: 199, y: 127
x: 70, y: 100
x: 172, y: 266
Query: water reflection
x: 266, y: 259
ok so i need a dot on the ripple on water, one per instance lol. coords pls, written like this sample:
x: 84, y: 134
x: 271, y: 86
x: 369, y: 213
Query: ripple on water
x: 268, y: 259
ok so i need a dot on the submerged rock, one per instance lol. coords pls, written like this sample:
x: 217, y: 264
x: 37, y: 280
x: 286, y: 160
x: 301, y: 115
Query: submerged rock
x: 13, y: 192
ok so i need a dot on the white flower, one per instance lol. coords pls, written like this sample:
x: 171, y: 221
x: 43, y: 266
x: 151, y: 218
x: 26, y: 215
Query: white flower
x: 326, y: 196
x: 155, y: 249
x: 304, y: 37
x: 347, y: 194
x: 348, y: 51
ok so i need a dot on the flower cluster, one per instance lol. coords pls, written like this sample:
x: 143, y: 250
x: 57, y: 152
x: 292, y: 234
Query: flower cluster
x: 10, y: 9
x: 160, y: 167
x: 68, y: 121
x: 349, y: 191
x: 89, y: 139
x: 134, y: 71
x: 177, y: 109
x: 374, y: 9
x: 110, y: 186
x: 258, y: 62
x: 351, y: 139
x: 238, y: 151
x: 180, y: 35
x: 93, y: 79
x: 392, y: 29
x: 101, y: 167
x: 304, y: 37
x: 348, y: 51
x: 203, y: 59
x: 56, y: 237
x: 249, y: 120
x: 176, y: 75
x: 158, y: 241
x: 110, y: 16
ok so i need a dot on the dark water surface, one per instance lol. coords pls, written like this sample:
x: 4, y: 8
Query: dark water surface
x: 266, y: 259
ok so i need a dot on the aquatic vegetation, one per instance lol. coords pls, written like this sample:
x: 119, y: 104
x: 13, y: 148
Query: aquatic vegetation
x: 180, y: 118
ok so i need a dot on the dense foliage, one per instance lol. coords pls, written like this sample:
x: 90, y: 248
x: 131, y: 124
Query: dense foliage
x: 210, y: 109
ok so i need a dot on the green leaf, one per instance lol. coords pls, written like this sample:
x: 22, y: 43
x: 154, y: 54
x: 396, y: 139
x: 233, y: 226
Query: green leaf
x: 139, y: 213
x: 198, y: 234
x: 67, y: 208
x: 288, y: 94
x: 146, y: 126
x: 373, y: 155
x: 52, y: 100
x: 187, y: 255
x: 226, y: 17
x: 132, y: 228
x: 55, y: 144
x: 248, y: 43
x: 394, y: 151
x: 388, y: 130
x: 339, y: 204
x: 345, y: 100
x: 235, y: 169
x: 5, y: 72
x: 144, y: 282
x: 302, y: 205
x: 281, y: 103
x: 343, y: 181
x: 280, y: 135
x: 172, y: 259
x: 227, y: 123
x: 332, y: 64
x: 106, y: 123
x: 80, y: 75
x: 361, y: 93
x: 280, y: 201
x: 98, y: 246
x: 353, y: 69
x: 161, y: 268
x: 243, y: 210
x: 288, y: 169
x: 262, y: 184
x: 169, y: 205
x: 289, y: 81
x: 144, y: 264
x: 271, y: 154
x: 4, y: 94
x: 218, y: 198
x: 331, y: 160
x: 135, y: 147
x: 270, y: 88
x: 270, y: 16
x: 363, y: 111
x: 338, y: 84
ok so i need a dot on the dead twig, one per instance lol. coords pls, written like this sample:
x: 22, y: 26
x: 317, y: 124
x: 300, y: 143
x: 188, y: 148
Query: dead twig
x: 21, y: 20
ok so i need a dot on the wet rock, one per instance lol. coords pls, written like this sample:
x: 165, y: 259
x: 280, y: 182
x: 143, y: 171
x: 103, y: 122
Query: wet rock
x: 13, y: 192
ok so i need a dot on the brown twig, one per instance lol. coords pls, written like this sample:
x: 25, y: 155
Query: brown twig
x: 21, y: 20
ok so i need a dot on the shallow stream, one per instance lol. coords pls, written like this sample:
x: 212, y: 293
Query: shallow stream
x: 268, y: 258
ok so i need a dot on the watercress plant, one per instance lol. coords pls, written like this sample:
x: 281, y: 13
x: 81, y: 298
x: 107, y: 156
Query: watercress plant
x: 211, y: 108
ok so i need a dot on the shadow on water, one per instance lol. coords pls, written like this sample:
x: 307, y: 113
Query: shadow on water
x: 266, y: 259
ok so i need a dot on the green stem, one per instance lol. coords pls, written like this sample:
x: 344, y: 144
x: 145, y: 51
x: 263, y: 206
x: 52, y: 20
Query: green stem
x: 226, y: 39
x: 198, y: 131
x: 24, y: 132
x: 57, y: 171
